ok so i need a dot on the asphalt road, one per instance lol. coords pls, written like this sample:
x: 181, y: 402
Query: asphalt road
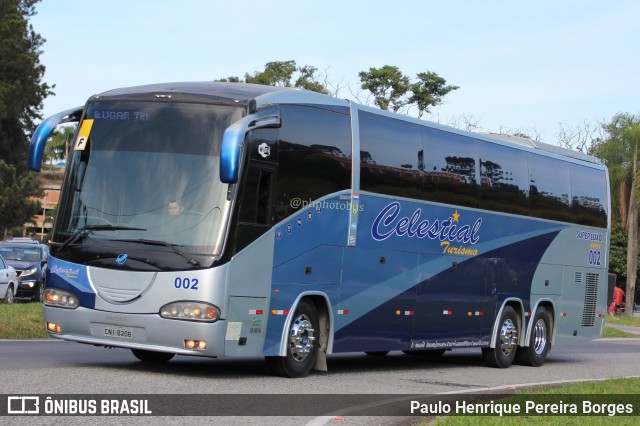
x: 57, y: 367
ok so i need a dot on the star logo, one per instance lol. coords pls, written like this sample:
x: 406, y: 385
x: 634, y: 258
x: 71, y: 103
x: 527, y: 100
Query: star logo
x: 455, y: 216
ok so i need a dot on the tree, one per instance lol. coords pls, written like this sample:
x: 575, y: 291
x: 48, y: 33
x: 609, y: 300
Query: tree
x: 619, y: 152
x: 428, y: 91
x: 280, y: 73
x: 388, y: 86
x: 21, y: 96
x: 392, y: 90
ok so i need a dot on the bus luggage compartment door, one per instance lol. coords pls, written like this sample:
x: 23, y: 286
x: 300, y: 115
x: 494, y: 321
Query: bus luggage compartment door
x: 246, y: 326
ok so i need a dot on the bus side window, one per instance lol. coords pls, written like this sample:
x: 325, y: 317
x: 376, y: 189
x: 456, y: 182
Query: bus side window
x: 255, y: 207
x: 263, y: 204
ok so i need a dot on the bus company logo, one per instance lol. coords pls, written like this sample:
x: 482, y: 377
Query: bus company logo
x: 122, y: 258
x: 68, y: 272
x: 264, y: 150
x: 448, y: 230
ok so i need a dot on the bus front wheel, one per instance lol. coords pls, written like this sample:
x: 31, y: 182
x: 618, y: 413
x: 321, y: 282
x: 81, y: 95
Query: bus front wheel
x: 152, y: 357
x: 302, y: 344
x: 504, y: 353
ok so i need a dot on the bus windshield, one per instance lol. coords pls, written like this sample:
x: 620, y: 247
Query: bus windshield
x: 149, y: 170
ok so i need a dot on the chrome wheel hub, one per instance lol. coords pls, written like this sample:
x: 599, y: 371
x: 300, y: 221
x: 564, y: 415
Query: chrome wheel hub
x: 301, y: 338
x: 508, y: 337
x: 539, y: 337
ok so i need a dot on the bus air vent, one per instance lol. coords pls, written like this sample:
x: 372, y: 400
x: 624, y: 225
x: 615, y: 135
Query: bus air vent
x: 578, y: 277
x: 590, y: 300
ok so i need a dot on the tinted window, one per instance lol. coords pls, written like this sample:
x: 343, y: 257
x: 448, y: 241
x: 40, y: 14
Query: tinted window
x: 549, y: 188
x: 314, y: 147
x: 503, y: 179
x: 588, y: 196
x: 391, y: 156
x: 255, y: 206
x: 450, y: 168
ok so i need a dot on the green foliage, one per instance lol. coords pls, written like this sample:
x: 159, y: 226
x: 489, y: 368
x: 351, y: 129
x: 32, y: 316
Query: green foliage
x: 618, y: 252
x: 392, y: 90
x: 429, y: 91
x: 388, y: 86
x: 21, y: 96
x: 281, y: 73
x: 619, y: 152
x: 15, y: 208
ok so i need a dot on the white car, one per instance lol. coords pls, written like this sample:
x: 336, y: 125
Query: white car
x: 8, y: 282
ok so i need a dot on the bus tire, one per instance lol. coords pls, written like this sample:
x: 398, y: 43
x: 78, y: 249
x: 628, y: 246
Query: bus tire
x: 151, y: 356
x: 504, y: 353
x: 302, y: 348
x: 536, y: 353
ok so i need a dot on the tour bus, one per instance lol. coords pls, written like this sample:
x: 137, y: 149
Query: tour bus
x: 238, y: 220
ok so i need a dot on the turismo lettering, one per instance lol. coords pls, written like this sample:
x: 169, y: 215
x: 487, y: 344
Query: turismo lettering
x: 388, y: 223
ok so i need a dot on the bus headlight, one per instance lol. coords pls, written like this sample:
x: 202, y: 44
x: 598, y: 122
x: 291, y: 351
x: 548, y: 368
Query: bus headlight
x: 60, y: 299
x: 190, y: 311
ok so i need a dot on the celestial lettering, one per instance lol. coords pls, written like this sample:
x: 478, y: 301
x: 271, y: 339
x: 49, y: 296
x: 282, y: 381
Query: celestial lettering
x: 389, y: 222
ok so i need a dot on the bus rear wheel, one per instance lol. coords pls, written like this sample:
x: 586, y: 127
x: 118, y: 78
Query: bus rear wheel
x: 302, y: 348
x: 151, y: 356
x: 535, y: 354
x: 504, y: 353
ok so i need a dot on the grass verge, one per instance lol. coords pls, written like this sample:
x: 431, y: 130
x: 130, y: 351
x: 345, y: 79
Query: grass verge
x: 614, y: 332
x: 21, y: 321
x: 622, y: 320
x: 567, y: 394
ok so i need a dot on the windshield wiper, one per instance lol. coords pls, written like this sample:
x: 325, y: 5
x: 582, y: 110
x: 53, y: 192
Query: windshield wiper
x: 87, y: 228
x: 190, y: 260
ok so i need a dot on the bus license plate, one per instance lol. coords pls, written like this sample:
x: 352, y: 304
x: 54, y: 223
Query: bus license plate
x: 119, y: 332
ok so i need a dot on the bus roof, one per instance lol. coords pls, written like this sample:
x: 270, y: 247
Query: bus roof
x: 238, y: 93
x: 545, y: 147
x: 256, y: 96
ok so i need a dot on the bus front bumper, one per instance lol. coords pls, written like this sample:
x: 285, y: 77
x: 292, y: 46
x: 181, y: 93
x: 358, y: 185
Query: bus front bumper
x: 136, y: 331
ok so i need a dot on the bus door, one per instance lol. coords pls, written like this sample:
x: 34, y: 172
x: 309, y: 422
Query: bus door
x: 255, y: 200
x: 451, y: 306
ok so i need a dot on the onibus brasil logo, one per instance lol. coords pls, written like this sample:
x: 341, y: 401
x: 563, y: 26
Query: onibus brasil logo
x: 452, y: 235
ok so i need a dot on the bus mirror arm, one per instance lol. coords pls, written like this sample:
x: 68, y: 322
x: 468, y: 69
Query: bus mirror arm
x: 42, y: 133
x: 233, y: 138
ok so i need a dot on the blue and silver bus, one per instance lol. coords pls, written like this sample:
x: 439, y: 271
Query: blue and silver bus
x: 237, y: 220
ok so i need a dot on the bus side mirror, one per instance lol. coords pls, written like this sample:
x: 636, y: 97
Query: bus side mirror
x: 42, y: 133
x: 233, y: 140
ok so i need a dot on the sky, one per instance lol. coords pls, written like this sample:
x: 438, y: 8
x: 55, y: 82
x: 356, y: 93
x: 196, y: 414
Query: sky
x: 526, y: 66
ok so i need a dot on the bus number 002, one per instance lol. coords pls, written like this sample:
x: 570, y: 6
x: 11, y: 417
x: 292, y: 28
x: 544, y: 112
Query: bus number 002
x: 186, y: 283
x: 594, y: 257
